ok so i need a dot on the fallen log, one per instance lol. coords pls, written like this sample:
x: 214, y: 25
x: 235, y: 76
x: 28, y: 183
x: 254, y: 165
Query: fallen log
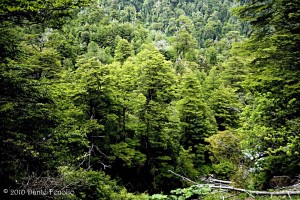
x: 275, y: 193
x: 225, y: 187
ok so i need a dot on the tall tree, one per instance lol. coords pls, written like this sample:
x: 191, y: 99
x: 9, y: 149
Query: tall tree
x: 273, y: 49
x: 159, y: 130
x: 196, y: 118
x: 26, y: 107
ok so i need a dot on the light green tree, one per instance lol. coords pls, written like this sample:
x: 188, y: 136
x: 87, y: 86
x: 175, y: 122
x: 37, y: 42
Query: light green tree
x: 123, y: 50
x: 159, y: 131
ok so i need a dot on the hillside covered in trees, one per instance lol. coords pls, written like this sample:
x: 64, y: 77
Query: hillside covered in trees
x: 137, y: 99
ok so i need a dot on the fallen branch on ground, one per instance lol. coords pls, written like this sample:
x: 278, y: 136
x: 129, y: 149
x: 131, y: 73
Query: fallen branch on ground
x: 213, y: 180
x: 225, y: 187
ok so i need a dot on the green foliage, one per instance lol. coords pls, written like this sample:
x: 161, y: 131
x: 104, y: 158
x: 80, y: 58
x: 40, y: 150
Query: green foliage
x: 226, y: 106
x: 226, y: 153
x: 50, y: 13
x: 186, y: 163
x: 123, y: 50
x: 212, y: 56
x: 196, y: 118
x: 272, y: 87
x: 159, y: 133
x: 133, y: 89
x: 225, y: 145
x: 184, y: 193
x: 27, y: 118
x: 224, y: 169
x: 95, y: 185
x: 184, y: 42
x: 127, y: 153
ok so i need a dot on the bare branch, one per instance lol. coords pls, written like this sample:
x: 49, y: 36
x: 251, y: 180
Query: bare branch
x: 183, y: 178
x: 212, y: 180
x: 226, y: 187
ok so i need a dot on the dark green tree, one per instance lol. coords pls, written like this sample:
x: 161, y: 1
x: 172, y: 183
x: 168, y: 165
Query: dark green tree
x: 49, y: 14
x: 196, y: 119
x: 272, y: 116
x: 226, y: 107
x: 27, y: 67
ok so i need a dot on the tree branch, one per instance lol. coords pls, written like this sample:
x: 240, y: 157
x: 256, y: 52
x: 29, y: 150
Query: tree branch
x: 275, y: 193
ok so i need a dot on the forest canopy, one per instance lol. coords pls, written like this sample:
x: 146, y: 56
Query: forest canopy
x: 148, y: 99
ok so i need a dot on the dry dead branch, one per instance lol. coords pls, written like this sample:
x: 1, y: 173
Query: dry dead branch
x: 227, y: 187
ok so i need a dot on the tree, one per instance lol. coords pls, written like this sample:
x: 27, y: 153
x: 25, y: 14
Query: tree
x: 27, y: 118
x: 158, y: 133
x: 211, y: 55
x: 184, y: 42
x: 272, y: 115
x: 196, y: 119
x: 50, y: 13
x: 125, y: 152
x: 226, y: 154
x: 123, y: 50
x: 226, y: 107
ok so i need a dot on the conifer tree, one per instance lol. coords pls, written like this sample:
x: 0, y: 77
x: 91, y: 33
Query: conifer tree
x: 196, y: 118
x: 27, y: 117
x: 123, y: 50
x: 159, y: 133
x: 271, y: 118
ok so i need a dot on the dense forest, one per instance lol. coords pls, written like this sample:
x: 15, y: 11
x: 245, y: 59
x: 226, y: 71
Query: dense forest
x: 149, y: 99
